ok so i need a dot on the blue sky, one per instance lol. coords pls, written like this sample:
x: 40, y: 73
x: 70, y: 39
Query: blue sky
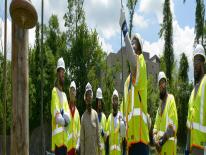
x: 104, y: 16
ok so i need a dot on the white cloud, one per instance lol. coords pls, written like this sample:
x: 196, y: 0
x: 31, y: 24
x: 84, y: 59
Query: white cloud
x: 105, y: 46
x: 183, y: 39
x: 8, y: 37
x: 155, y: 7
x: 139, y: 21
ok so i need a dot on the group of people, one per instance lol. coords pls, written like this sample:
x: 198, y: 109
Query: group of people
x: 126, y: 130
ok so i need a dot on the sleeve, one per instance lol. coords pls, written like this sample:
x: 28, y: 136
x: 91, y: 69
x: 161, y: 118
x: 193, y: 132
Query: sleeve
x: 82, y: 136
x: 78, y: 132
x: 131, y: 56
x: 156, y: 121
x: 98, y: 133
x: 54, y: 106
x: 173, y: 120
x: 107, y: 125
x: 189, y: 111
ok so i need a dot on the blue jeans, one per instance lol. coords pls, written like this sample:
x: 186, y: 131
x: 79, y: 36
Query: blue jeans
x: 139, y: 149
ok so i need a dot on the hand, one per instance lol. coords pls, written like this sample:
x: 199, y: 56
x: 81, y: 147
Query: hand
x: 158, y: 147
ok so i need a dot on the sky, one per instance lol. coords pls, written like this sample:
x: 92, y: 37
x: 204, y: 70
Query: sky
x: 103, y: 15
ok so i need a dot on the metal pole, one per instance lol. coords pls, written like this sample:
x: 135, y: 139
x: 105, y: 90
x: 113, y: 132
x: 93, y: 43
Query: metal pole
x: 42, y: 82
x: 5, y: 78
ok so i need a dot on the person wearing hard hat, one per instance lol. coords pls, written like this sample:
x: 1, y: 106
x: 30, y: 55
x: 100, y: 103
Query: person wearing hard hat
x: 115, y: 127
x: 73, y: 130
x: 89, y: 133
x: 101, y: 118
x: 166, y: 122
x: 136, y: 111
x: 59, y: 112
x: 196, y: 119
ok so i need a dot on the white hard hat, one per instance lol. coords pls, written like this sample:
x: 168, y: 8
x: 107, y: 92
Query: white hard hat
x: 161, y: 76
x: 99, y: 93
x: 87, y: 88
x: 115, y: 92
x: 137, y: 36
x: 73, y: 85
x: 60, y: 63
x: 199, y: 50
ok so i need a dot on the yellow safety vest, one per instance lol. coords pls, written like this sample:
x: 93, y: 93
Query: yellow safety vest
x: 58, y: 132
x: 136, y: 116
x: 114, y: 136
x: 168, y: 117
x: 196, y: 120
x: 73, y: 131
x: 102, y: 125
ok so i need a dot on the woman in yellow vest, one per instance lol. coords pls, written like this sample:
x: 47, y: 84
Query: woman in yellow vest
x: 115, y: 126
x: 166, y: 122
x: 102, y: 119
x: 73, y: 130
x: 196, y: 120
x: 136, y: 111
x: 59, y: 112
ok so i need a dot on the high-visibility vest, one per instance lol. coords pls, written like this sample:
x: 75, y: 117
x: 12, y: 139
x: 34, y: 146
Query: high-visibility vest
x: 196, y: 120
x: 102, y: 125
x: 136, y: 117
x: 168, y: 117
x: 58, y: 101
x: 114, y: 136
x: 73, y: 131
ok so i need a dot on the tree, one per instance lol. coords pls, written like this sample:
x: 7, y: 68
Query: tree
x: 183, y: 69
x: 167, y: 31
x: 199, y: 20
x: 131, y: 4
x: 74, y: 17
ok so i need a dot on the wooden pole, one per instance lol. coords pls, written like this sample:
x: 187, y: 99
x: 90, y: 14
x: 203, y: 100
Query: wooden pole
x: 23, y: 16
x: 20, y: 92
x: 5, y: 80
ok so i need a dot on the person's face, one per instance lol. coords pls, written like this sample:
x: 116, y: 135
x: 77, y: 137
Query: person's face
x: 72, y: 94
x: 198, y: 63
x: 136, y: 46
x: 60, y: 73
x: 89, y: 97
x: 115, y: 103
x: 99, y: 104
x: 162, y: 88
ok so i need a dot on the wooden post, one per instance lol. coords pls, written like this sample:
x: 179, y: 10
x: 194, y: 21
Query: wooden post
x: 24, y: 16
x: 20, y: 92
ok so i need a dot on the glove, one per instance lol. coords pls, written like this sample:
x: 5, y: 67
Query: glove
x: 60, y: 120
x: 187, y: 152
x: 122, y: 22
x: 102, y: 133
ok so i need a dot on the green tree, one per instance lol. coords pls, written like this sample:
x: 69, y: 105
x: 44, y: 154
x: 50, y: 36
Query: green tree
x: 131, y: 4
x: 183, y: 69
x: 167, y: 31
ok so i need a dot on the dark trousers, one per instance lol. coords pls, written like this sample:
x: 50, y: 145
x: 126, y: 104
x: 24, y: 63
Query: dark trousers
x: 139, y: 149
x: 61, y: 150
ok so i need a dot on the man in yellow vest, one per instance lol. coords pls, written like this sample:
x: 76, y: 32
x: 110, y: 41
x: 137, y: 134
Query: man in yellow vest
x: 136, y: 112
x: 196, y: 120
x: 101, y: 118
x: 59, y: 112
x: 73, y: 130
x: 115, y: 127
x: 166, y: 122
x: 89, y: 133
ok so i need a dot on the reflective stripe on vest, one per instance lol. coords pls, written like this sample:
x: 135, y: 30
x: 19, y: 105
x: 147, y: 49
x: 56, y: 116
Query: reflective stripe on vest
x: 115, y: 147
x: 137, y: 112
x: 196, y: 126
x: 57, y: 131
